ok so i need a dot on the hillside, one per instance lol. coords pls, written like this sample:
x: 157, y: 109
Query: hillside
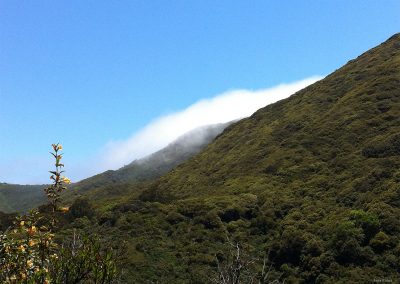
x: 20, y: 198
x: 161, y: 161
x: 311, y: 182
x: 16, y: 197
x: 117, y: 184
x: 349, y: 120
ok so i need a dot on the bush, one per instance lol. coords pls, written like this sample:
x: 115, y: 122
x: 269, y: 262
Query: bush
x: 80, y: 208
x: 174, y: 218
x: 289, y: 248
x: 367, y: 221
x: 386, y: 148
x: 380, y: 242
x: 346, y: 242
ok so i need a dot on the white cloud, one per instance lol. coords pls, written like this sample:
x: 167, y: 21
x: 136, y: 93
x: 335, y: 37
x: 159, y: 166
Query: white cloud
x: 224, y: 107
x: 221, y: 108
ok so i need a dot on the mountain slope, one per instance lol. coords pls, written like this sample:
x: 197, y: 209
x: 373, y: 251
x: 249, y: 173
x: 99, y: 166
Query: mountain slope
x: 163, y: 160
x: 322, y: 129
x: 311, y: 181
x: 119, y: 183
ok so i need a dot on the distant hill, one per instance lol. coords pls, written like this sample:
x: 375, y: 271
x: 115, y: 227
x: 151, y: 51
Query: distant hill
x: 312, y: 182
x: 21, y: 198
x: 15, y: 197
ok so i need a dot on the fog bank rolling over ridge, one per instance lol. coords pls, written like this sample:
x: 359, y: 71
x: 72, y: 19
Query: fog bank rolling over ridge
x: 228, y: 106
x: 222, y: 108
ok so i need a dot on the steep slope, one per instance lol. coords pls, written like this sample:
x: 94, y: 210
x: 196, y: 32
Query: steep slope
x: 21, y: 198
x: 161, y: 161
x: 120, y: 183
x: 329, y: 128
x: 312, y: 181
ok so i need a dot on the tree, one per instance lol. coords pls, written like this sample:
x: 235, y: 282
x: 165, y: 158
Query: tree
x: 237, y: 267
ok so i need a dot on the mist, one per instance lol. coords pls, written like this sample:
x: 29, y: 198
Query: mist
x: 222, y: 108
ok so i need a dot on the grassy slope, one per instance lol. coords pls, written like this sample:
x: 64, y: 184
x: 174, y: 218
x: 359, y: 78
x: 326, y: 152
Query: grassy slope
x: 313, y: 179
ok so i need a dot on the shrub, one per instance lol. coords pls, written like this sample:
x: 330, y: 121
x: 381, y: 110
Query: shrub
x: 346, y: 242
x: 380, y: 242
x: 81, y: 207
x: 367, y: 221
x: 386, y: 148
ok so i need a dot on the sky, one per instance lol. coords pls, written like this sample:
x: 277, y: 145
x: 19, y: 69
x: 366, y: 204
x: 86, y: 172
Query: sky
x: 114, y: 81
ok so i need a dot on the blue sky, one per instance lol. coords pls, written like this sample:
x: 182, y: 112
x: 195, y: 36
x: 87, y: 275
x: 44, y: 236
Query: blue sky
x: 88, y: 73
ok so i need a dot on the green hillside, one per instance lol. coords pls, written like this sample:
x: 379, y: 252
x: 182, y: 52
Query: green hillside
x: 344, y: 126
x: 160, y: 162
x: 312, y: 182
x: 115, y: 185
x: 21, y: 198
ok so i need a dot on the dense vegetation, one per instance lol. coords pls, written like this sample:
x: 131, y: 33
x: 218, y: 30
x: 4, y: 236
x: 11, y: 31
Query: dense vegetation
x: 310, y: 184
x: 311, y: 181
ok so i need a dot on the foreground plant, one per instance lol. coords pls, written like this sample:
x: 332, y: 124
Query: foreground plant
x: 30, y: 254
x: 27, y: 251
x: 239, y: 267
x: 54, y: 191
x: 83, y: 259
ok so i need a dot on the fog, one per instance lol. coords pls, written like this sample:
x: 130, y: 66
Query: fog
x: 225, y: 107
x: 222, y: 108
